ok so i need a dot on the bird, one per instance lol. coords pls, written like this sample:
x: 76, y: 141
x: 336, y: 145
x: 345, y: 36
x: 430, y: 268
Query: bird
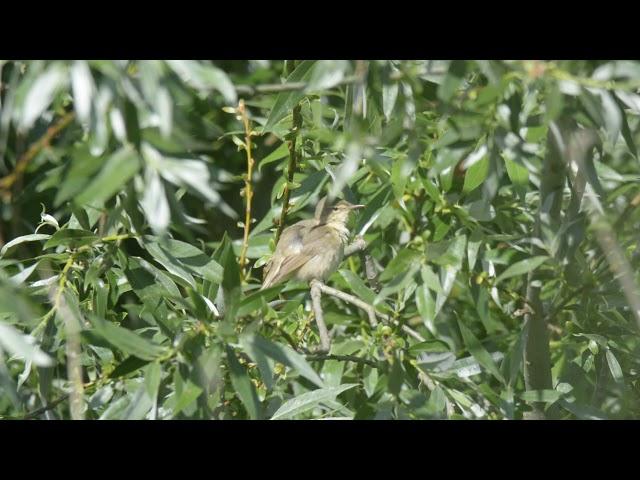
x: 311, y: 249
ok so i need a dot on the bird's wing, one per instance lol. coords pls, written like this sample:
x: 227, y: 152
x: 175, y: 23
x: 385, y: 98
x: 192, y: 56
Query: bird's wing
x: 288, y: 264
x: 289, y: 247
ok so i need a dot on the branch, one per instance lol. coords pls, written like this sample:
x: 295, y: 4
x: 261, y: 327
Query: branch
x: 21, y: 165
x: 343, y: 358
x: 351, y: 299
x: 371, y: 311
x: 73, y: 347
x: 325, y: 342
x: 41, y: 410
x: 248, y: 191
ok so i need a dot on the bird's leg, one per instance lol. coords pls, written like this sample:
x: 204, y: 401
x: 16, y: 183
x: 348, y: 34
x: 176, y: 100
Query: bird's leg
x: 325, y: 342
x: 351, y: 299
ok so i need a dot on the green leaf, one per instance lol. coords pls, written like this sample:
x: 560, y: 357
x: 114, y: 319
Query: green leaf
x: 231, y: 276
x: 433, y: 346
x: 243, y: 386
x: 149, y: 283
x: 479, y: 352
x: 281, y: 152
x: 430, y: 279
x: 15, y: 342
x: 358, y: 286
x: 389, y: 98
x: 522, y: 267
x: 326, y: 74
x: 285, y: 101
x: 280, y: 353
x: 32, y: 237
x: 518, y: 174
x: 128, y: 365
x: 127, y: 341
x: 625, y: 130
x: 205, y: 77
x: 71, y: 238
x: 257, y: 299
x: 476, y: 174
x: 42, y: 93
x: 309, y: 400
x: 117, y: 170
x: 614, y: 366
x: 400, y: 263
x: 189, y: 394
x: 154, y: 202
x: 546, y: 396
x: 453, y: 80
x: 184, y: 260
x: 191, y: 174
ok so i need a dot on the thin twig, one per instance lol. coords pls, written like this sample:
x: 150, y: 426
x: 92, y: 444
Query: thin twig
x: 248, y: 190
x: 21, y: 165
x: 412, y: 332
x: 343, y: 358
x: 41, y: 410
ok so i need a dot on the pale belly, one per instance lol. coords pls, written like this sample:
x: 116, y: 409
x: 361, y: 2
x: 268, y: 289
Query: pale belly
x: 321, y: 266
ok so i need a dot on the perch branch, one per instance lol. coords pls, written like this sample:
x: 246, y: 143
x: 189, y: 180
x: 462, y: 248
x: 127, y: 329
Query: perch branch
x: 358, y: 245
x: 325, y: 342
x: 350, y: 299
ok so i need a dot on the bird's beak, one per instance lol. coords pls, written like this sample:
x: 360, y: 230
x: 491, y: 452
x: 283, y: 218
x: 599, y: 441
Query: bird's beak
x: 353, y: 207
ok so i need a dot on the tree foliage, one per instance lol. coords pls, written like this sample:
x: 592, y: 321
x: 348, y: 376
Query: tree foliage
x: 501, y: 216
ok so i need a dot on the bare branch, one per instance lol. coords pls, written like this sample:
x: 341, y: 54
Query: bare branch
x: 319, y: 316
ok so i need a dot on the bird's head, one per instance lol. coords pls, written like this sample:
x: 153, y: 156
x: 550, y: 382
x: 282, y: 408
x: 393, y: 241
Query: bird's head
x: 336, y: 214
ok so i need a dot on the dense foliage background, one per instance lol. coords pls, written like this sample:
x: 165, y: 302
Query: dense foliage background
x: 501, y: 213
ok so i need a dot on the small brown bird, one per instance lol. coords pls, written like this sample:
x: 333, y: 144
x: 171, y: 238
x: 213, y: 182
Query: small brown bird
x: 311, y: 249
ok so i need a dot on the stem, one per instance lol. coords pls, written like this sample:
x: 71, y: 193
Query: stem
x: 21, y: 165
x: 73, y: 347
x: 293, y: 160
x: 50, y: 406
x: 248, y: 190
x: 343, y: 358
